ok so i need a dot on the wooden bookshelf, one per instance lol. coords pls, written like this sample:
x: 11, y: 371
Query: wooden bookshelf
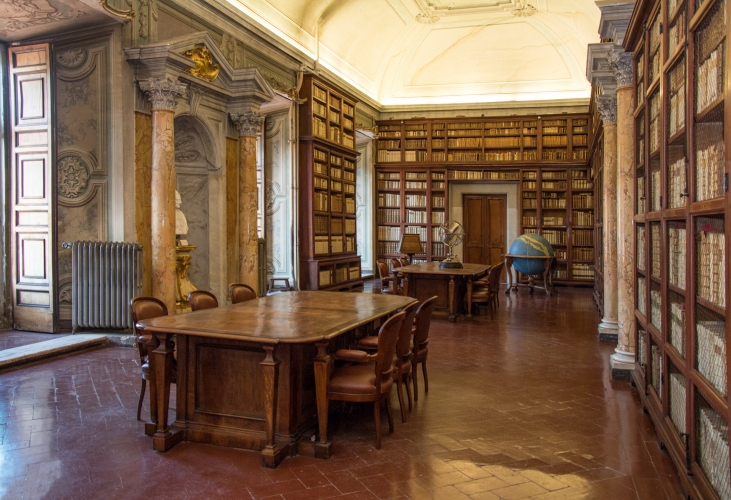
x: 328, y: 253
x: 681, y: 229
x: 596, y: 166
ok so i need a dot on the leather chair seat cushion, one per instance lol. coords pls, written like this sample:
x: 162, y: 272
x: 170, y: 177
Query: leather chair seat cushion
x: 357, y: 379
x: 421, y: 354
x: 477, y: 297
x: 370, y: 342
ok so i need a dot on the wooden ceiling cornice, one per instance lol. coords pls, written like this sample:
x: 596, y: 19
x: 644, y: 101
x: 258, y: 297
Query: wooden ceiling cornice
x: 636, y: 24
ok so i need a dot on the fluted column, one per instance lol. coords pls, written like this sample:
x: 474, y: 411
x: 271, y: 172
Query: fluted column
x: 163, y: 94
x: 607, y: 107
x: 248, y: 125
x: 622, y: 361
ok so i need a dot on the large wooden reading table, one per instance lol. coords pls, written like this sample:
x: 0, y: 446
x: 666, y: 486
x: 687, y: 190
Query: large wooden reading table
x: 254, y: 375
x: 452, y: 286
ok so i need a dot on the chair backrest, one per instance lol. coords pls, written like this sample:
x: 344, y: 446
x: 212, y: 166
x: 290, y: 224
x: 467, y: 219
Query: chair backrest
x: 395, y: 263
x: 200, y: 299
x: 423, y: 322
x: 387, y: 339
x: 239, y: 292
x: 404, y: 261
x: 403, y: 348
x: 493, y: 279
x: 145, y: 308
x: 383, y: 269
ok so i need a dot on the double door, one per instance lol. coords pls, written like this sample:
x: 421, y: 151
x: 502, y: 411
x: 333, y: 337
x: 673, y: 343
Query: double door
x: 485, y: 225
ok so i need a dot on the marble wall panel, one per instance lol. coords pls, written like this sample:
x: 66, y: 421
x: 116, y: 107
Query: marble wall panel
x: 232, y: 195
x: 279, y: 223
x: 143, y: 194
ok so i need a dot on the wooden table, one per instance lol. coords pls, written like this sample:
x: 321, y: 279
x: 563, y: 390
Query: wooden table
x: 422, y: 281
x: 549, y: 263
x: 245, y: 374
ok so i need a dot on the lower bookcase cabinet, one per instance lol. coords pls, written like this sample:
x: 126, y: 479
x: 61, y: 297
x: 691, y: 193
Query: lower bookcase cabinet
x: 337, y: 273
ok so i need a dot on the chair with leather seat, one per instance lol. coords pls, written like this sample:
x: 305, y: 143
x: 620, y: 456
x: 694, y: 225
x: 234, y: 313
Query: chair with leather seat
x: 489, y: 293
x: 402, y: 371
x: 240, y: 292
x: 404, y: 261
x: 421, y: 341
x: 368, y: 378
x: 200, y: 300
x: 387, y: 283
x: 146, y: 308
x: 395, y: 263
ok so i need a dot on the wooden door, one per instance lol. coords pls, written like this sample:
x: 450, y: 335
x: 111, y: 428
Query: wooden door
x: 485, y: 224
x: 31, y: 196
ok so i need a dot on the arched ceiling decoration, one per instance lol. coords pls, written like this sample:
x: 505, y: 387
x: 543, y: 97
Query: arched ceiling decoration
x: 431, y: 52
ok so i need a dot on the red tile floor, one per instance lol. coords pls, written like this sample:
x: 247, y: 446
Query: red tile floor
x: 518, y: 407
x: 13, y: 338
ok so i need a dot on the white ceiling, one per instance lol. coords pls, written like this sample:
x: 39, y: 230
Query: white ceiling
x: 429, y: 52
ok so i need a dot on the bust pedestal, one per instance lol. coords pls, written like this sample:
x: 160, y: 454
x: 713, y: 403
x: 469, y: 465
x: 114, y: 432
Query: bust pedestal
x: 183, y: 285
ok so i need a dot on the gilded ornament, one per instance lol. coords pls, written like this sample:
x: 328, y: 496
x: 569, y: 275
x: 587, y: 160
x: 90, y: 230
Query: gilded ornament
x: 205, y: 68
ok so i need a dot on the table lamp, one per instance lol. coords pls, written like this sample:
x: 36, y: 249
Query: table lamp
x: 410, y: 244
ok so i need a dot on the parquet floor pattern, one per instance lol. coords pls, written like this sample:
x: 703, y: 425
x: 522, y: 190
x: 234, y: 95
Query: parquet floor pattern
x: 518, y: 407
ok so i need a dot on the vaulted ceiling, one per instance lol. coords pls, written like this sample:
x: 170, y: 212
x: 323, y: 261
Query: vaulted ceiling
x: 427, y: 52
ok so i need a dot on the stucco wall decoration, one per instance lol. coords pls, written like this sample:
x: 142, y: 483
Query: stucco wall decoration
x: 20, y: 19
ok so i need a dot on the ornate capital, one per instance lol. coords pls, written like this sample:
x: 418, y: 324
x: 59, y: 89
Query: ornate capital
x: 606, y: 105
x: 247, y: 123
x: 620, y: 63
x: 163, y: 92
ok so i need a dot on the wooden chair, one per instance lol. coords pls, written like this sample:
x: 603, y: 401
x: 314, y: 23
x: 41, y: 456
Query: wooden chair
x: 146, y: 308
x: 200, y: 299
x: 395, y: 263
x: 402, y: 371
x: 421, y: 341
x: 404, y: 261
x: 489, y: 293
x: 367, y: 377
x: 239, y: 292
x: 387, y: 284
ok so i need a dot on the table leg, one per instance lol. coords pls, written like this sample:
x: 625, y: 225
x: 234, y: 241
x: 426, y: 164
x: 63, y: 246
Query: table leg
x: 405, y: 289
x: 323, y: 367
x: 272, y: 454
x: 452, y: 308
x: 509, y: 272
x: 469, y: 298
x: 161, y: 363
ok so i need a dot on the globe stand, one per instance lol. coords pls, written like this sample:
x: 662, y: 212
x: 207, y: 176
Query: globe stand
x: 451, y: 262
x: 549, y: 264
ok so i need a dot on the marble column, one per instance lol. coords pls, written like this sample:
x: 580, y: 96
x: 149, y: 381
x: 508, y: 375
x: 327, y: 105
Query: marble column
x: 607, y: 107
x: 622, y: 361
x: 248, y: 125
x: 163, y: 94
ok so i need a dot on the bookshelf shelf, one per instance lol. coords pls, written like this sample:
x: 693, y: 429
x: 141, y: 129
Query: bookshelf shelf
x: 681, y: 225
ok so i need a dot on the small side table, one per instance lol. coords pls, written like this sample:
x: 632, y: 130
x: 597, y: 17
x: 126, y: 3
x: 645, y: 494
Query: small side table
x: 273, y: 281
x: 549, y: 263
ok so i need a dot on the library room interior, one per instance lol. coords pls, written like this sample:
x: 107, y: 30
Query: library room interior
x: 364, y: 249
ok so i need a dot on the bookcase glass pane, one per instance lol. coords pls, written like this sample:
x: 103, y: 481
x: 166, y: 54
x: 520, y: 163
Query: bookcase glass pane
x: 656, y: 305
x: 655, y: 248
x: 676, y: 147
x: 712, y: 450
x: 677, y: 398
x: 640, y: 152
x: 656, y: 367
x: 655, y: 122
x: 676, y: 248
x: 641, y: 346
x: 710, y: 261
x: 642, y: 294
x: 676, y: 33
x: 641, y: 246
x: 655, y: 31
x: 709, y: 70
x: 710, y: 331
x: 640, y: 76
x: 676, y: 321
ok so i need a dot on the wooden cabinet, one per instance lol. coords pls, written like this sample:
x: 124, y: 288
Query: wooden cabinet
x: 681, y: 226
x: 328, y: 253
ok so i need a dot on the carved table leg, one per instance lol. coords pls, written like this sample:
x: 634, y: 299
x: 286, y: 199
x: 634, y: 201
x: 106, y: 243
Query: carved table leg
x: 509, y: 272
x: 161, y: 363
x: 272, y: 454
x: 452, y: 307
x: 323, y: 366
x: 469, y: 298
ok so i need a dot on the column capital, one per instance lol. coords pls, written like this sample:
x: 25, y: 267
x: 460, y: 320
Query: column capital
x: 620, y: 62
x: 606, y: 105
x: 247, y: 122
x: 163, y: 92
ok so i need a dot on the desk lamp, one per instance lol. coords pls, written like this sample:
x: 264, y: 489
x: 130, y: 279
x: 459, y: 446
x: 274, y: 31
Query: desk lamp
x: 410, y: 244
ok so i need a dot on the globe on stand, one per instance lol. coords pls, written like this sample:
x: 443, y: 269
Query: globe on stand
x: 530, y: 245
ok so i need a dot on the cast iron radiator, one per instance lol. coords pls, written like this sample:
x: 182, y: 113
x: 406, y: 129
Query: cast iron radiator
x: 105, y: 275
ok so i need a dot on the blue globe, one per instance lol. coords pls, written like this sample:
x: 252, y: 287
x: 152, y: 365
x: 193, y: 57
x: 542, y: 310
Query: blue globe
x: 533, y: 245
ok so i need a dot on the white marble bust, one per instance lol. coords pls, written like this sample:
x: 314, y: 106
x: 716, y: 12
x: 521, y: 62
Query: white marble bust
x: 181, y: 223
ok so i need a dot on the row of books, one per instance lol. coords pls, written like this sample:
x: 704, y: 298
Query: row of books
x: 582, y: 253
x: 640, y: 245
x: 391, y: 215
x: 320, y: 183
x: 584, y: 200
x: 655, y: 249
x: 676, y: 183
x: 437, y: 184
x: 322, y: 244
x: 555, y: 140
x: 553, y: 184
x: 553, y: 202
x: 580, y: 218
x: 320, y: 201
x: 560, y: 273
x: 415, y: 133
x: 655, y: 189
x: 582, y: 271
x: 335, y: 117
x: 677, y: 326
x: 389, y: 175
x: 555, y: 237
x: 641, y: 294
x: 421, y: 231
x: 415, y: 184
x: 437, y: 201
x: 560, y: 253
x: 582, y: 184
x: 415, y: 143
x: 529, y: 220
x: 349, y: 176
x: 415, y: 176
x: 438, y: 249
x: 319, y: 128
x: 711, y: 267
x: 713, y: 449
x: 349, y: 205
x: 655, y: 308
x: 336, y: 226
x: 641, y: 344
x: 640, y: 195
x: 553, y: 130
x: 530, y: 203
x: 529, y: 184
x: 677, y: 400
x: 389, y: 144
x: 580, y: 154
x: 709, y: 78
x: 385, y: 156
x: 561, y: 174
x: 654, y: 122
x: 553, y: 220
x: 676, y: 256
x: 437, y: 217
x: 554, y: 155
x: 501, y: 142
x: 709, y: 166
x: 470, y: 133
x: 583, y: 237
x: 416, y: 216
x: 711, y: 355
x: 677, y: 110
x: 389, y: 184
x: 502, y: 131
x: 579, y: 140
x: 414, y: 156
x: 388, y: 247
x: 389, y: 200
x: 415, y: 200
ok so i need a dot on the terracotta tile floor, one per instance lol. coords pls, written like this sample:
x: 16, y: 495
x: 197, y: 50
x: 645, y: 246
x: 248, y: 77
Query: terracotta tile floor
x: 14, y: 338
x: 518, y: 407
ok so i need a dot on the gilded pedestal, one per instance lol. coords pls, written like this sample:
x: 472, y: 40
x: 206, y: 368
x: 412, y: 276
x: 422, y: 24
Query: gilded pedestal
x: 183, y: 284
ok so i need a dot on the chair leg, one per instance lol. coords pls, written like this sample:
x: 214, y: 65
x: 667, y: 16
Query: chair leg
x: 426, y: 379
x: 400, y: 393
x: 414, y: 374
x: 408, y: 390
x: 390, y: 414
x: 142, y: 397
x: 377, y: 418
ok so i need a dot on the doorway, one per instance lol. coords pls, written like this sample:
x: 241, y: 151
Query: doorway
x: 485, y: 223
